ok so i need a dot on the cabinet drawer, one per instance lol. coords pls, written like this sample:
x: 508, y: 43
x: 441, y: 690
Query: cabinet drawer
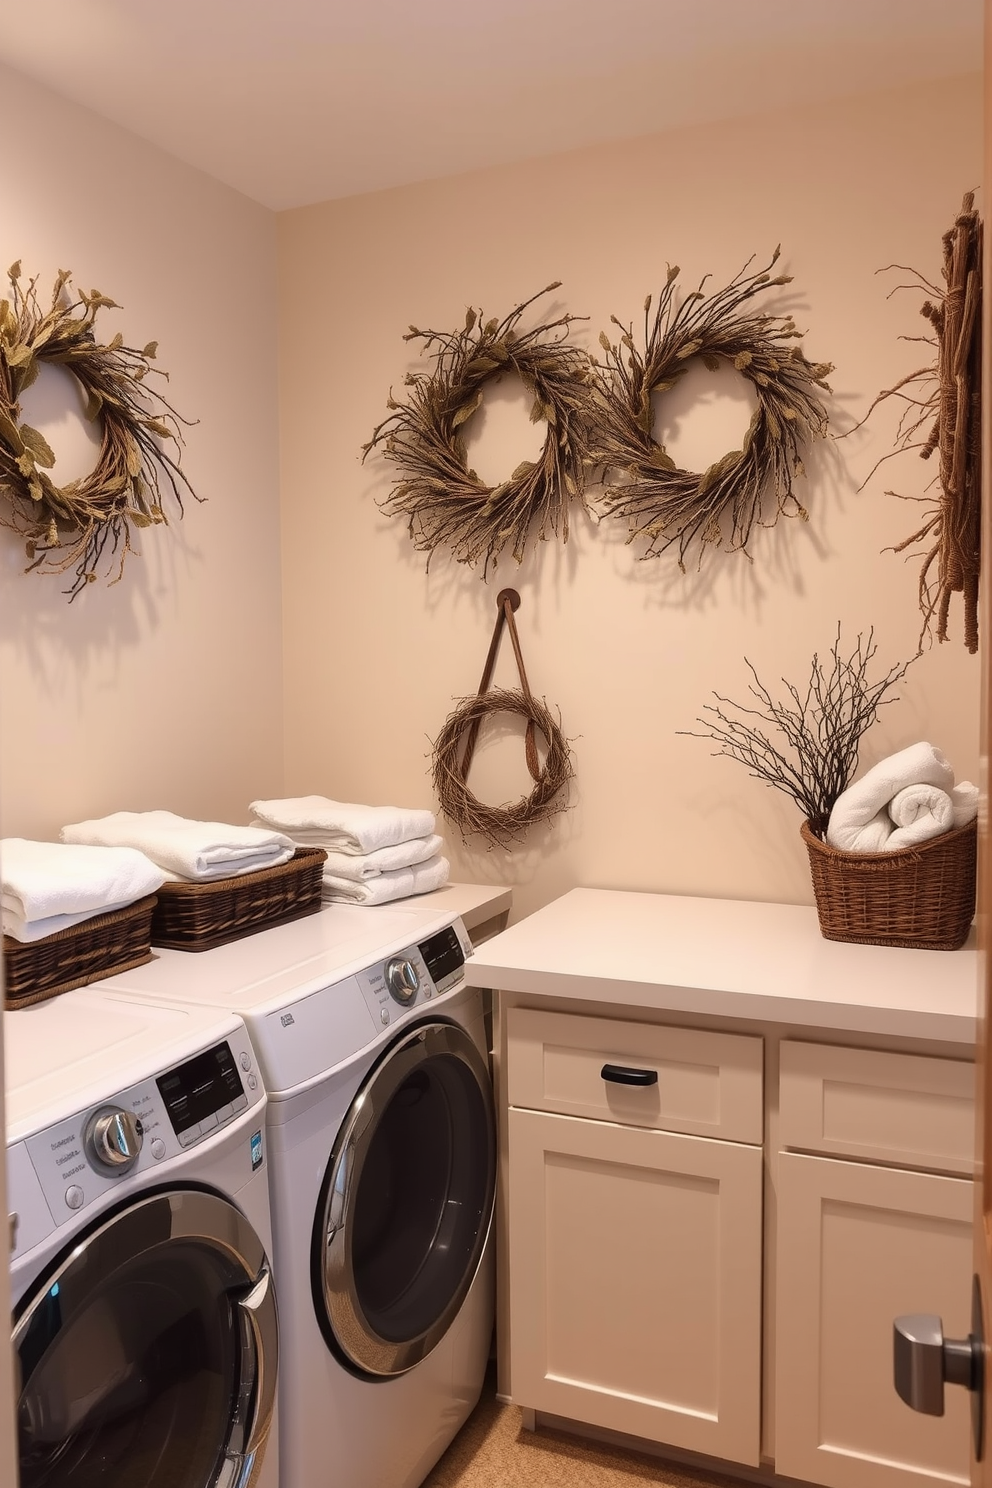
x: 908, y: 1109
x: 707, y: 1084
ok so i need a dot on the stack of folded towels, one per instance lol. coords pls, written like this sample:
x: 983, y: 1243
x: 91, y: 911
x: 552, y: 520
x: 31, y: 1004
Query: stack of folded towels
x: 49, y: 886
x: 198, y: 851
x: 902, y: 801
x: 374, y: 853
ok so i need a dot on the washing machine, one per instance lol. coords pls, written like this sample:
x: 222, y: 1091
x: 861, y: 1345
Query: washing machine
x: 382, y: 1147
x: 145, y: 1331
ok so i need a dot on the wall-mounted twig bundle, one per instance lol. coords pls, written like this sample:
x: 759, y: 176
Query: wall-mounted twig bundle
x: 69, y: 527
x: 455, y: 746
x: 445, y: 502
x: 947, y: 395
x: 806, y: 746
x: 668, y: 506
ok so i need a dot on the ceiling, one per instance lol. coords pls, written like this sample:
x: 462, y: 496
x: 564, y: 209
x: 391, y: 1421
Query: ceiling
x: 298, y: 101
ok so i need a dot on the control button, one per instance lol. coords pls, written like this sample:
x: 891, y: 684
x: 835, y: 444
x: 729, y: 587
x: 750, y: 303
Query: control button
x: 402, y: 980
x: 427, y: 989
x: 113, y: 1139
x: 74, y: 1196
x: 384, y: 1016
x: 240, y: 1103
x: 158, y: 1149
x: 224, y: 1114
x: 246, y: 1060
x: 252, y: 1083
x: 189, y: 1136
x: 209, y: 1122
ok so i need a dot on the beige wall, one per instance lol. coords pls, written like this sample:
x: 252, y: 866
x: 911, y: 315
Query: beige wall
x: 164, y: 690
x: 375, y: 650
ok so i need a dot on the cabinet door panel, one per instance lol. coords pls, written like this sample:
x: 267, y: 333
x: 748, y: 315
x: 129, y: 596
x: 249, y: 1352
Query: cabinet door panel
x: 635, y: 1291
x: 857, y: 1246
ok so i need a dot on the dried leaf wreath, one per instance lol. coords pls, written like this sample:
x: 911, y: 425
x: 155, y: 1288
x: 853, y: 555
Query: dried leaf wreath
x: 69, y: 527
x: 455, y: 746
x: 445, y: 503
x: 948, y: 392
x: 672, y: 507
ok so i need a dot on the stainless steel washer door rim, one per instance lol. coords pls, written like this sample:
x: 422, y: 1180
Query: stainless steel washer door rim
x: 407, y: 1202
x: 71, y: 1343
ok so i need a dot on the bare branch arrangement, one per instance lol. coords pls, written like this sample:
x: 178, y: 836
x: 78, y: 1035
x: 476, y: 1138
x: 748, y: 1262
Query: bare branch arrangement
x: 445, y: 503
x: 70, y: 527
x: 947, y: 395
x: 806, y: 746
x: 668, y: 506
x: 500, y: 825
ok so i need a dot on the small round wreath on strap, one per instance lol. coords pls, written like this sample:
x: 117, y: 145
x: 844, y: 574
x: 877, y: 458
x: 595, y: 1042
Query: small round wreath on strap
x: 445, y: 503
x: 673, y: 507
x: 69, y: 527
x: 455, y: 746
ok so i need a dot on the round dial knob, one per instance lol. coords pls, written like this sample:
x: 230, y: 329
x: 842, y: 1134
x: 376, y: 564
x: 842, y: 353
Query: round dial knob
x: 113, y: 1139
x: 402, y: 980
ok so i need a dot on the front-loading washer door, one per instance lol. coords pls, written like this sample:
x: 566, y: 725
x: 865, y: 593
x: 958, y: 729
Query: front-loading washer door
x: 406, y: 1203
x: 146, y: 1356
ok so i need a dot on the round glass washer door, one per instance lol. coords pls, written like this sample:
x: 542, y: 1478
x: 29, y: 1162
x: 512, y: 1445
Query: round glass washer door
x: 148, y: 1354
x: 407, y: 1202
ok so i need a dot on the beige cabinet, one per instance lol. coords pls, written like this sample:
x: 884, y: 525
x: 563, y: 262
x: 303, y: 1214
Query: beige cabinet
x: 858, y: 1244
x: 634, y: 1236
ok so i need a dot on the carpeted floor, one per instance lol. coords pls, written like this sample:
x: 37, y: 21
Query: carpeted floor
x: 492, y: 1450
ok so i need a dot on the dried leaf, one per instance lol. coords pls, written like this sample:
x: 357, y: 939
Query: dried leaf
x: 38, y: 445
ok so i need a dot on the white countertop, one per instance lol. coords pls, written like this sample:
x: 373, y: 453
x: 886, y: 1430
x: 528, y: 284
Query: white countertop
x: 729, y: 959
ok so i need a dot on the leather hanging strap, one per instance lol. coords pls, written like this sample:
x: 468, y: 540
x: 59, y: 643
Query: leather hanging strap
x: 507, y: 601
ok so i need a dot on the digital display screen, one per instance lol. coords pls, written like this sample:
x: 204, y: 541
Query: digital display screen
x: 442, y: 954
x: 200, y: 1087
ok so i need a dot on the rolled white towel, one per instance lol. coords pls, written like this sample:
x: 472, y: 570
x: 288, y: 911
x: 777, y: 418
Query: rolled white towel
x: 964, y: 799
x: 918, y: 812
x: 399, y: 884
x: 859, y: 821
x: 62, y: 885
x: 317, y: 821
x: 196, y: 850
x: 358, y: 866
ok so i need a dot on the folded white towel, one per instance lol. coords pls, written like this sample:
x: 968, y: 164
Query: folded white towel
x: 317, y: 821
x: 859, y: 821
x: 40, y: 881
x: 196, y: 850
x: 28, y: 931
x: 359, y: 866
x: 964, y: 799
x: 399, y: 884
x: 918, y: 812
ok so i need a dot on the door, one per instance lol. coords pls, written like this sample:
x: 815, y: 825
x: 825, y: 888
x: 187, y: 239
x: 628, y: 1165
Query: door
x: 406, y: 1203
x: 147, y: 1352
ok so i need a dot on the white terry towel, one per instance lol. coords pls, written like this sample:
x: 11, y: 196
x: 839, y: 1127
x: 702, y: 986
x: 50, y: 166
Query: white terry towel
x: 964, y: 799
x: 385, y: 860
x: 399, y: 884
x: 918, y: 812
x: 860, y: 820
x: 317, y: 821
x: 195, y: 850
x: 49, y: 886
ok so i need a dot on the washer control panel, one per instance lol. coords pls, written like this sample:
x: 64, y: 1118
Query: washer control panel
x: 416, y: 975
x: 80, y: 1159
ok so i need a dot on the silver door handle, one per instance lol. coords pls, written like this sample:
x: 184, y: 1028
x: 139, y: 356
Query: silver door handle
x: 924, y: 1360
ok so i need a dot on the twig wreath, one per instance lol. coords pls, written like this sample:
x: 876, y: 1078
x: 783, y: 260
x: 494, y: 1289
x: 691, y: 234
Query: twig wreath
x: 455, y: 746
x: 69, y: 527
x: 668, y: 506
x: 947, y: 394
x: 445, y: 502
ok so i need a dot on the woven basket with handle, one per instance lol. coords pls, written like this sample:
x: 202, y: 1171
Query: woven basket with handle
x: 922, y: 897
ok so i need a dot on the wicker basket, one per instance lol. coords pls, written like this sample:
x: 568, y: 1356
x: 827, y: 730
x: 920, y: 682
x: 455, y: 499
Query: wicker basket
x: 198, y: 916
x: 84, y: 953
x: 922, y: 897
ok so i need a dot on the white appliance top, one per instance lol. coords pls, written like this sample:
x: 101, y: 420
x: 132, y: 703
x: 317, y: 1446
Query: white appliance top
x: 80, y: 1048
x: 277, y: 967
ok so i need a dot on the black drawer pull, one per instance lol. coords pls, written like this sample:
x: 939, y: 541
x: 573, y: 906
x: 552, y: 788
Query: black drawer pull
x: 622, y: 1074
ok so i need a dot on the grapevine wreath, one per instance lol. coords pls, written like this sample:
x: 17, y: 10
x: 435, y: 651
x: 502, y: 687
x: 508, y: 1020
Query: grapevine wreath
x: 444, y: 501
x: 673, y: 507
x: 69, y: 527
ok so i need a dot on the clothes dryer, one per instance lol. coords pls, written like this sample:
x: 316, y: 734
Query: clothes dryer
x: 144, y: 1314
x: 382, y: 1144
